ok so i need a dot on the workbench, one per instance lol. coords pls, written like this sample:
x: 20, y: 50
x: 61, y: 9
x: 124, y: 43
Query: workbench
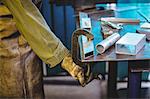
x: 136, y: 64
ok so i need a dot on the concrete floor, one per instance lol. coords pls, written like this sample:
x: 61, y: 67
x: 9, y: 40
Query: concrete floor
x: 67, y: 88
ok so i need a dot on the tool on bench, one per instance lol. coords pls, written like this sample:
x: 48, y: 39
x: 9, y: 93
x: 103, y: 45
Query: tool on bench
x: 144, y: 31
x: 120, y: 20
x: 89, y: 76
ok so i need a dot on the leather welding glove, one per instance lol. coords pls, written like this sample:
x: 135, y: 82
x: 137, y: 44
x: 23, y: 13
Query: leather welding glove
x: 74, y: 70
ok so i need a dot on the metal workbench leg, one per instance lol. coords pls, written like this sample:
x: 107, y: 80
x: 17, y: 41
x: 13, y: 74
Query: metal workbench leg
x: 134, y: 82
x: 112, y: 80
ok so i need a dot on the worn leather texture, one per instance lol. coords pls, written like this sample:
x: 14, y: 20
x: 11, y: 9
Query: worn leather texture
x: 20, y: 68
x: 4, y: 11
x: 21, y: 76
x: 7, y: 27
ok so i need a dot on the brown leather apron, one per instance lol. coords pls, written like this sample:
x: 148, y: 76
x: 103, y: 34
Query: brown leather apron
x: 20, y: 68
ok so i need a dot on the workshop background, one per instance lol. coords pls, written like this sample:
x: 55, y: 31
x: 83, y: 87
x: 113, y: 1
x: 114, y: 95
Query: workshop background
x: 61, y: 19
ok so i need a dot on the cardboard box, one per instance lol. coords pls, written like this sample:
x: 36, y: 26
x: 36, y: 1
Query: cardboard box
x: 130, y: 43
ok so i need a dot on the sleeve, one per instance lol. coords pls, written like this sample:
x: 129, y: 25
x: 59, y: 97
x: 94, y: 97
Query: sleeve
x: 34, y: 28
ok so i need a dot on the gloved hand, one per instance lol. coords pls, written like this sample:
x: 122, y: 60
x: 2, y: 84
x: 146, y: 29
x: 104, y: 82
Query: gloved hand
x: 74, y: 70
